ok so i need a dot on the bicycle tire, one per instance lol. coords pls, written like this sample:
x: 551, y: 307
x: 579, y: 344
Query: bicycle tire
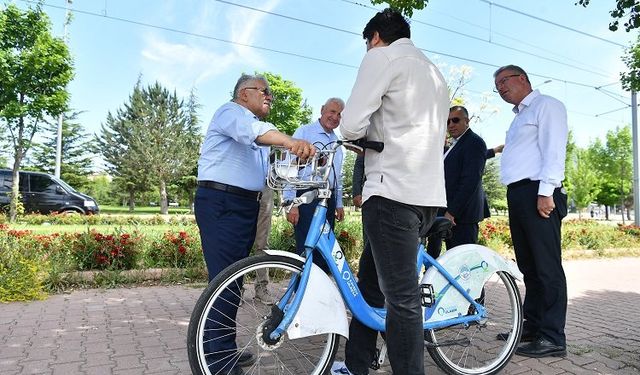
x: 309, y: 355
x: 475, y: 349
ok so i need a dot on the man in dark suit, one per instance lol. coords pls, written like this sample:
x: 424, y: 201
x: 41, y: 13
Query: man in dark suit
x: 464, y: 164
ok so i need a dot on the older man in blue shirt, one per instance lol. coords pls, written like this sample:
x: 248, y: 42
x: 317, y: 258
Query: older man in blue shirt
x: 232, y: 172
x: 321, y: 134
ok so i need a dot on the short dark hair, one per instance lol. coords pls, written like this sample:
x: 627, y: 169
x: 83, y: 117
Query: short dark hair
x: 459, y: 108
x: 389, y: 24
x: 514, y: 68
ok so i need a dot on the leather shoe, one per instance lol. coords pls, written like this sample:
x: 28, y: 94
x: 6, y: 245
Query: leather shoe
x: 527, y: 336
x: 541, y: 348
x: 246, y: 358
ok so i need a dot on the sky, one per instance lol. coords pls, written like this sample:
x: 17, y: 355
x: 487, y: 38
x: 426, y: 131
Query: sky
x: 204, y: 45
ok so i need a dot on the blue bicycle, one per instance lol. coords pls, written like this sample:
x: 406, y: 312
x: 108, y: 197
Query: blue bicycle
x: 471, y: 303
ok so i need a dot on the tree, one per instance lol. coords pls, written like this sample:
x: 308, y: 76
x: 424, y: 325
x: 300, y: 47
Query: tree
x: 35, y: 69
x: 126, y: 167
x: 347, y: 177
x: 630, y: 8
x: 406, y: 7
x: 288, y: 110
x: 159, y: 133
x: 495, y: 190
x: 584, y: 186
x: 614, y: 161
x: 78, y: 149
x: 631, y: 79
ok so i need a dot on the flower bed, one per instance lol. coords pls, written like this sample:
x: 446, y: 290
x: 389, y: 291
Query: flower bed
x: 32, y: 264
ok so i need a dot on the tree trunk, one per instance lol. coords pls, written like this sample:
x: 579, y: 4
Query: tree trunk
x: 15, y: 188
x: 606, y: 212
x: 164, y: 205
x: 132, y: 204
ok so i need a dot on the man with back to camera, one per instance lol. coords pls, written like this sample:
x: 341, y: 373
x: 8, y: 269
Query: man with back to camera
x: 532, y: 167
x: 321, y: 134
x: 231, y: 175
x: 399, y: 98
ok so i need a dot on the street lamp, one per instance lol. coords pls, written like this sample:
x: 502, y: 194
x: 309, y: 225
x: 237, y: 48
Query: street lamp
x: 61, y: 117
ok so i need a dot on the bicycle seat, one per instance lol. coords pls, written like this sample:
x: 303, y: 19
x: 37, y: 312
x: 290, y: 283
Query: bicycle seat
x: 441, y: 227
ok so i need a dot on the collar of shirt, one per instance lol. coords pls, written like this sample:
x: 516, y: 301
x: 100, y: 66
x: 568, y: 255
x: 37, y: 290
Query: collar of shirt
x: 526, y: 101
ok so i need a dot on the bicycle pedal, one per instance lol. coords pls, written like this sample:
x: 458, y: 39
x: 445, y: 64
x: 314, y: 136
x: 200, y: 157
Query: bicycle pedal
x: 374, y: 363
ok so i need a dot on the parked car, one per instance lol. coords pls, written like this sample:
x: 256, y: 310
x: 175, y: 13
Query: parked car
x: 45, y: 193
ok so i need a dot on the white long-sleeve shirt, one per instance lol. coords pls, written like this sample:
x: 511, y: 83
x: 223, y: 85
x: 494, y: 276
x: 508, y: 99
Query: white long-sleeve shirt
x: 400, y: 98
x: 536, y: 143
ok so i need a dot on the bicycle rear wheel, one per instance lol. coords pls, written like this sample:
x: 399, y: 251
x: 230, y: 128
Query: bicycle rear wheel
x: 227, y: 322
x: 476, y: 349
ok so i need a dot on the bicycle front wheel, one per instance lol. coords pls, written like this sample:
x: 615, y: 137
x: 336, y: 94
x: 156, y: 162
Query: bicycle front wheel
x: 228, y: 324
x: 478, y: 347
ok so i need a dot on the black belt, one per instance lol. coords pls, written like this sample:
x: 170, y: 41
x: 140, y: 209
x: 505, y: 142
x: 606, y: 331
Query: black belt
x: 516, y: 184
x: 255, y: 195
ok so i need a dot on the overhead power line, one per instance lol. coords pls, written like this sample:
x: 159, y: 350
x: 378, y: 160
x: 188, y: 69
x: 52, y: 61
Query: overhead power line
x: 413, y: 20
x: 208, y: 37
x: 552, y: 23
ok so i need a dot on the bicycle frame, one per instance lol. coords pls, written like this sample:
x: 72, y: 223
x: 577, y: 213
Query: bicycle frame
x: 321, y: 239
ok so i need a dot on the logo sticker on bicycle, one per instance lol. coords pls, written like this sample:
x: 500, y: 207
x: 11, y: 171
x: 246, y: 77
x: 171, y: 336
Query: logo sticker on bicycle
x: 338, y: 256
x: 465, y: 272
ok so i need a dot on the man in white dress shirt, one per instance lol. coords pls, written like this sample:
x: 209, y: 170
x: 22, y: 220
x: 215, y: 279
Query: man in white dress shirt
x: 399, y: 98
x: 532, y: 167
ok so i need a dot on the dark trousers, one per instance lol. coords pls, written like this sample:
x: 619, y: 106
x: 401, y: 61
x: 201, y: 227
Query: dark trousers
x: 304, y: 222
x: 461, y: 234
x: 227, y: 225
x: 537, y: 245
x: 387, y: 276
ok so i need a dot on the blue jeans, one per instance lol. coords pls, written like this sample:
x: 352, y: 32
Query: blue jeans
x: 388, y: 276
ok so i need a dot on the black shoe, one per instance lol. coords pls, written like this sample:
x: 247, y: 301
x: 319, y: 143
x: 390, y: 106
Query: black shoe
x: 246, y: 359
x: 541, y: 348
x: 527, y: 336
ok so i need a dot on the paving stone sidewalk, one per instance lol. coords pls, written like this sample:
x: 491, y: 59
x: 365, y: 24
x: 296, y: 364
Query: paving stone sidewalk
x: 142, y: 330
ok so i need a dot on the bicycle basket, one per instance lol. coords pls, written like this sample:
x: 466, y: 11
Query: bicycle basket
x: 287, y: 171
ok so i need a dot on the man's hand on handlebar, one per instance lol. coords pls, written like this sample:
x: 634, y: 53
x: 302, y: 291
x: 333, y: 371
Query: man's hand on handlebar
x: 300, y: 148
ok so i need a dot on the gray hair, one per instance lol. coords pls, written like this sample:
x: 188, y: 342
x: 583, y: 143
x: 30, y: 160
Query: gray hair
x: 335, y: 100
x: 514, y: 68
x: 243, y: 80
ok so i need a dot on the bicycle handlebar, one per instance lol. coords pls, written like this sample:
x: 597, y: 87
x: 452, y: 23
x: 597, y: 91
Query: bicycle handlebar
x: 285, y: 169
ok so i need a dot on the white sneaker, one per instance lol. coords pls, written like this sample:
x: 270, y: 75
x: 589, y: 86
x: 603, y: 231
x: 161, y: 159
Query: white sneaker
x: 339, y: 368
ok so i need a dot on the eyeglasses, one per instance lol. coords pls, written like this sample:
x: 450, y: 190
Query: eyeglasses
x: 504, y: 80
x: 265, y: 91
x: 455, y: 120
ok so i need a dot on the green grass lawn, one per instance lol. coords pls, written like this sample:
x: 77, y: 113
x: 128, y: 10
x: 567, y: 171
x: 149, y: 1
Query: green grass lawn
x: 124, y: 210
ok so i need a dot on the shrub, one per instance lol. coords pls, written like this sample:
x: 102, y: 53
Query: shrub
x: 22, y: 271
x: 179, y: 250
x: 281, y: 236
x: 96, y: 251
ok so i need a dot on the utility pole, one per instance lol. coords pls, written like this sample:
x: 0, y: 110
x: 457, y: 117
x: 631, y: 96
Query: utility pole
x: 67, y: 19
x: 636, y: 162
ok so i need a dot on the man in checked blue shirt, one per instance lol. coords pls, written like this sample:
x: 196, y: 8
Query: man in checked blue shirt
x: 321, y: 134
x: 232, y: 172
